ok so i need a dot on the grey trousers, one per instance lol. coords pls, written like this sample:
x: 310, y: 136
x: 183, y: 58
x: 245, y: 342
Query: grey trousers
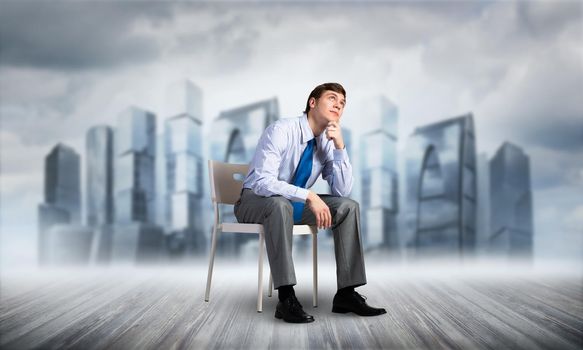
x: 276, y: 215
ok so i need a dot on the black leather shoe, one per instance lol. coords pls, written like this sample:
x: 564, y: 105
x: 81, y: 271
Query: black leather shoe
x: 290, y: 310
x: 354, y: 302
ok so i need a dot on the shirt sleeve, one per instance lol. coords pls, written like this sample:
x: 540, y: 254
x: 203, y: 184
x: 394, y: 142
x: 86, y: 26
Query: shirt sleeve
x: 337, y: 171
x: 266, y: 162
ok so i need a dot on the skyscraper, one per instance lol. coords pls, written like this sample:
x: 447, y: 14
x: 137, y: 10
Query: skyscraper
x: 184, y: 165
x: 511, y: 202
x: 136, y: 238
x: 62, y: 204
x: 135, y: 145
x: 99, y: 198
x: 236, y: 131
x: 233, y: 139
x: 483, y: 207
x: 378, y: 164
x: 99, y: 147
x: 62, y: 181
x: 441, y: 187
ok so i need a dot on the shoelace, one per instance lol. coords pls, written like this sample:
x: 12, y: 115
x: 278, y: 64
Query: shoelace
x: 360, y: 297
x: 295, y: 303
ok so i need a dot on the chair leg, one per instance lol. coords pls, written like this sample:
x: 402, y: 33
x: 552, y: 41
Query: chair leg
x: 270, y: 292
x: 260, y: 277
x: 315, y: 268
x: 211, y: 262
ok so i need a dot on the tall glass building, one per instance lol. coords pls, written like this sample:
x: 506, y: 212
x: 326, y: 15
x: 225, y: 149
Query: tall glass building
x: 62, y: 202
x: 441, y: 188
x: 236, y: 131
x: 184, y: 165
x: 135, y: 145
x: 378, y: 167
x: 63, y: 180
x: 99, y: 163
x: 511, y: 202
x: 483, y: 204
x: 233, y: 139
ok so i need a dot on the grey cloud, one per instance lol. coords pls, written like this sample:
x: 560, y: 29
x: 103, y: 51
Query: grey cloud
x: 564, y: 134
x: 72, y: 35
x: 547, y: 19
x: 48, y: 119
x: 482, y: 52
x: 554, y: 169
x: 234, y: 36
x: 227, y: 44
x: 548, y: 109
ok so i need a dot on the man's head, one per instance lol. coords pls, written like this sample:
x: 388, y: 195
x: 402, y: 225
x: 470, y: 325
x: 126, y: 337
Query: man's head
x: 329, y: 99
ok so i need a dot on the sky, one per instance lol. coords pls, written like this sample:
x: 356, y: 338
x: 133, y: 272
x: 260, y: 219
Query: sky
x: 517, y: 66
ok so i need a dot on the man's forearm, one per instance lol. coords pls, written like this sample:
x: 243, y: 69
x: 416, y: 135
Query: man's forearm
x: 273, y: 187
x: 342, y: 174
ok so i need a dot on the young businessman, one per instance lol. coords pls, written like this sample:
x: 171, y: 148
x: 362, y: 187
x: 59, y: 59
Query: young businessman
x: 290, y: 156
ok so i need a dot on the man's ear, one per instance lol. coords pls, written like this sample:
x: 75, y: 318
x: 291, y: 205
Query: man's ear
x: 312, y: 102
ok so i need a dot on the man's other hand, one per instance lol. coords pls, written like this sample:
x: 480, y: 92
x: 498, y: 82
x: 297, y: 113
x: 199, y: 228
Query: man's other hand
x: 334, y: 133
x: 320, y: 210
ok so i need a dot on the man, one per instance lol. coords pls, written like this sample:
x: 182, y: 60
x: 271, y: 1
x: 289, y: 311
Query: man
x: 290, y: 156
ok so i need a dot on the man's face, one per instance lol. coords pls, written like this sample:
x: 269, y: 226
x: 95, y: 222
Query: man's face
x: 329, y: 106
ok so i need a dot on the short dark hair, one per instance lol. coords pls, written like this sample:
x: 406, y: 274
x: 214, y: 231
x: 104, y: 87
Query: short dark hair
x: 319, y: 90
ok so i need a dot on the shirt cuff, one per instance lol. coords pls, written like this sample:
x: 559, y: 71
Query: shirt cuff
x: 340, y: 154
x: 301, y: 195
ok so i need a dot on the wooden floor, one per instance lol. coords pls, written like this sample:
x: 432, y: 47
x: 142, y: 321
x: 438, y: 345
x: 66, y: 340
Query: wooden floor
x: 164, y: 309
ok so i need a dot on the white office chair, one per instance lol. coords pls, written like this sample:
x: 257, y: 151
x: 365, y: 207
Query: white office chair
x: 226, y: 189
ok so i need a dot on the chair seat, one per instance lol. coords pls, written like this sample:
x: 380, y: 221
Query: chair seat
x: 305, y: 230
x: 258, y: 228
x: 243, y: 228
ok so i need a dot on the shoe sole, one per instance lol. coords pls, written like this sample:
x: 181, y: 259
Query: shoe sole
x: 341, y: 310
x: 279, y: 316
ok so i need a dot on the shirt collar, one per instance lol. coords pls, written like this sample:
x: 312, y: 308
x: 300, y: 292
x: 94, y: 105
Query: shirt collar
x: 307, y: 133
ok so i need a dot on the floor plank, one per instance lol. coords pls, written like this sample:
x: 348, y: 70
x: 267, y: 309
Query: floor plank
x: 163, y: 308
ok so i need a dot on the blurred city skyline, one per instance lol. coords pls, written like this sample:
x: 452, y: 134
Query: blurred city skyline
x: 515, y: 66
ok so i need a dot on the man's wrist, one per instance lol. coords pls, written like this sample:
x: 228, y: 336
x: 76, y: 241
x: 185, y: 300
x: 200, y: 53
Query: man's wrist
x: 310, y: 196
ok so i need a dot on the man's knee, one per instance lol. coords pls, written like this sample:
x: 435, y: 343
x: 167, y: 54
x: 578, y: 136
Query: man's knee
x: 346, y: 207
x: 348, y: 204
x: 280, y: 206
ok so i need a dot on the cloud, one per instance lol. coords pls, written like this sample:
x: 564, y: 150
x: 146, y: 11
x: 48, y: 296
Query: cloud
x: 547, y: 19
x: 75, y: 36
x: 554, y: 169
x: 224, y: 44
x: 539, y: 102
x: 41, y: 108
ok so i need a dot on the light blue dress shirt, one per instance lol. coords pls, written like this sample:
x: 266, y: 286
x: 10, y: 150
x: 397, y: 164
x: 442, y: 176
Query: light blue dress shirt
x: 278, y: 154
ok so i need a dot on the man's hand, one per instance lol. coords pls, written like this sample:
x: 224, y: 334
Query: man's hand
x: 320, y: 210
x: 333, y: 132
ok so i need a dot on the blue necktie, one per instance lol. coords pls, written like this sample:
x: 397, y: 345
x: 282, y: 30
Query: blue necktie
x: 302, y: 175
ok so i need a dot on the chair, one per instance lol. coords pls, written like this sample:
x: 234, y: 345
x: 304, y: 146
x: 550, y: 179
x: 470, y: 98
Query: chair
x: 226, y: 189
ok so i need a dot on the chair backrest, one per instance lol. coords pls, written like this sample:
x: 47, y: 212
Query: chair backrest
x: 225, y: 188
